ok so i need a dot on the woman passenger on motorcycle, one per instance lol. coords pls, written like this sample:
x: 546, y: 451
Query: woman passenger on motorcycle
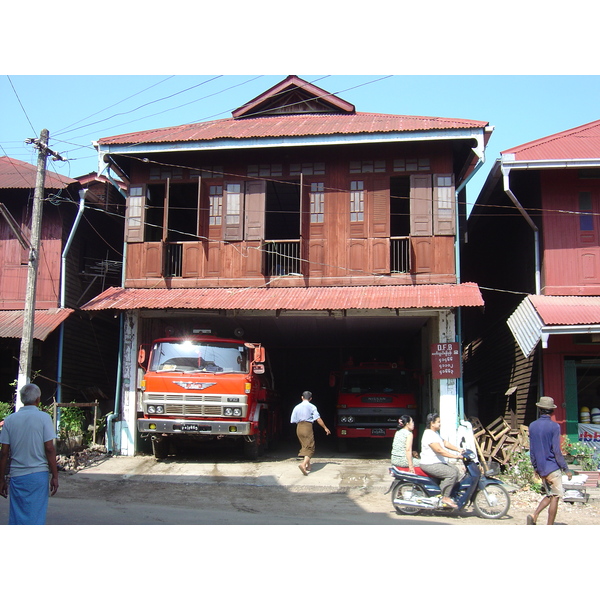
x: 434, y: 454
x: 402, y: 454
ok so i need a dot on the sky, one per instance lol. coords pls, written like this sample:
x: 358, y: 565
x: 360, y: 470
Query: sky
x: 79, y: 109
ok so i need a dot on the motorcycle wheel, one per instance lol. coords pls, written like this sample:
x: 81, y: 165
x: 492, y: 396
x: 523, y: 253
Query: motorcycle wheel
x: 493, y: 506
x: 402, y: 489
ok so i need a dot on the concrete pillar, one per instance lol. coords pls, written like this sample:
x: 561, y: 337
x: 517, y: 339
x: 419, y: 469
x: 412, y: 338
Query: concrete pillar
x: 126, y: 426
x: 448, y: 390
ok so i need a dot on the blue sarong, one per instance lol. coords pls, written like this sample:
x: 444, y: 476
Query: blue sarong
x: 29, y: 499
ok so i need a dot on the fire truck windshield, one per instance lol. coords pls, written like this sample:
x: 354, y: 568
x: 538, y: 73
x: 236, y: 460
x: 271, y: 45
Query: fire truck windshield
x: 188, y: 356
x: 394, y: 381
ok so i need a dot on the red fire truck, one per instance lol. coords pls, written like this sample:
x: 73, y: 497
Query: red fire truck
x: 370, y: 398
x: 207, y: 387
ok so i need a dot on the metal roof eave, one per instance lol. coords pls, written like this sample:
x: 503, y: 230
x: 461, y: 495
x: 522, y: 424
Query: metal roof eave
x: 509, y: 163
x: 290, y: 141
x: 529, y: 329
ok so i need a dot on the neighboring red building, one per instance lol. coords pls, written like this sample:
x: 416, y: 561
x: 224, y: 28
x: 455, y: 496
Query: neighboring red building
x: 535, y: 230
x: 79, y: 257
x: 319, y: 230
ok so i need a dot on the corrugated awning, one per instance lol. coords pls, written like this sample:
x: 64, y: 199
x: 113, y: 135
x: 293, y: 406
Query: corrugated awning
x: 45, y: 322
x: 291, y: 298
x: 538, y: 317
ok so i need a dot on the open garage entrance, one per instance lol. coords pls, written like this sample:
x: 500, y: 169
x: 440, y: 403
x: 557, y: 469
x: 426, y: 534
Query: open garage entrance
x: 304, y: 348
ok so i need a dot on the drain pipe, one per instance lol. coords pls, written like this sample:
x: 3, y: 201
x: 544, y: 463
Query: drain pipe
x: 63, y: 294
x: 536, y: 232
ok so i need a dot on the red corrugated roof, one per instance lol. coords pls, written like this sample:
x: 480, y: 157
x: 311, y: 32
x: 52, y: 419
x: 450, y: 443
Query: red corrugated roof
x: 45, y: 322
x: 578, y: 143
x: 567, y: 310
x: 18, y: 174
x: 291, y: 126
x: 292, y: 298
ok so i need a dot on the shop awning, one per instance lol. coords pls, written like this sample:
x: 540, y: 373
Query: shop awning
x: 291, y: 298
x: 45, y: 322
x: 538, y: 317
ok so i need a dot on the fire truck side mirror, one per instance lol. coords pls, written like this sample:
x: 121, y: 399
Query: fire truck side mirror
x: 259, y: 355
x: 141, y: 356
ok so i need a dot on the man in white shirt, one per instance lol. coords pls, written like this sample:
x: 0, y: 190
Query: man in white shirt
x: 304, y: 415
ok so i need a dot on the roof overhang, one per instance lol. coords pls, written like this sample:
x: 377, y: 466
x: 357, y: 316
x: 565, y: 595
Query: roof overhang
x: 45, y: 322
x: 539, y: 317
x: 301, y: 300
x: 478, y: 135
x: 509, y: 163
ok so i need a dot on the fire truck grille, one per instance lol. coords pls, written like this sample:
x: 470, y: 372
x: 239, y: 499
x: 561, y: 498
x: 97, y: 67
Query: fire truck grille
x: 192, y: 410
x: 196, y: 405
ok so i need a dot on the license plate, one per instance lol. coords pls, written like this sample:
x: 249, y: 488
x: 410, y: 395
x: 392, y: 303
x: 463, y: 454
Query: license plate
x: 378, y: 431
x: 191, y: 427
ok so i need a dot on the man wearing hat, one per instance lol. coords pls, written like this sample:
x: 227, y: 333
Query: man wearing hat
x: 547, y: 459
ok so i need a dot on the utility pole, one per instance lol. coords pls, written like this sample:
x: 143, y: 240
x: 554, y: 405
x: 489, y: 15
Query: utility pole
x: 36, y: 227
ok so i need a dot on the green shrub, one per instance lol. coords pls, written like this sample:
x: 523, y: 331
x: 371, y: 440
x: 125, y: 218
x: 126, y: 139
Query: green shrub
x: 6, y: 409
x: 71, y: 422
x: 519, y: 471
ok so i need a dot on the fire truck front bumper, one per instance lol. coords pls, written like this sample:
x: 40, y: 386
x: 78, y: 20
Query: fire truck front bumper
x: 189, y: 426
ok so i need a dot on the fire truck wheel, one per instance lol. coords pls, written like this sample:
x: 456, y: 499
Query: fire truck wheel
x: 257, y: 447
x: 160, y: 448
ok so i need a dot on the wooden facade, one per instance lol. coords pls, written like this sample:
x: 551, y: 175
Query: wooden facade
x: 330, y: 221
x: 556, y: 184
x: 88, y: 344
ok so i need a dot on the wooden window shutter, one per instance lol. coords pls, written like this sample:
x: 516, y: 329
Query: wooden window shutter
x: 421, y: 212
x: 444, y: 215
x: 134, y: 215
x: 380, y: 210
x: 233, y: 209
x: 255, y: 210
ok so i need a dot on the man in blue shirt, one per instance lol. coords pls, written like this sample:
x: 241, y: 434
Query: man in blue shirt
x: 304, y: 415
x: 27, y: 436
x: 547, y: 459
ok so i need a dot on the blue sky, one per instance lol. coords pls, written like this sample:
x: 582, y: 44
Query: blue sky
x: 78, y: 109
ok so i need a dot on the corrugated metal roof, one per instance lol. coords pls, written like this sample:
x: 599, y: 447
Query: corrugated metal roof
x: 578, y: 143
x: 21, y: 175
x: 292, y: 298
x: 292, y: 126
x: 526, y: 326
x: 567, y: 310
x: 45, y: 322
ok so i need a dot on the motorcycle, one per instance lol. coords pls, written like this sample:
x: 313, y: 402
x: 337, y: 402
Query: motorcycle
x: 414, y: 493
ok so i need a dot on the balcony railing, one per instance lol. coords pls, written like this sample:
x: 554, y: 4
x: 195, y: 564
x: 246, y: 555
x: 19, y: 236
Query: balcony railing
x: 400, y: 255
x: 282, y: 257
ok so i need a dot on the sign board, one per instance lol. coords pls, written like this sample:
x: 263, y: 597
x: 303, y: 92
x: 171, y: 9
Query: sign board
x: 445, y: 360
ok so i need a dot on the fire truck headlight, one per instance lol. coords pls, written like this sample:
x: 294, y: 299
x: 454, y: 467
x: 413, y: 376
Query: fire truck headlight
x: 350, y: 419
x: 237, y: 412
x: 151, y: 409
x: 160, y: 410
x: 228, y: 412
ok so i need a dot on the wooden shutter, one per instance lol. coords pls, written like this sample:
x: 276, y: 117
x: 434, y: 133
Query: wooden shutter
x: 444, y: 205
x: 134, y: 214
x: 380, y: 208
x: 233, y: 211
x: 421, y: 213
x: 254, y: 210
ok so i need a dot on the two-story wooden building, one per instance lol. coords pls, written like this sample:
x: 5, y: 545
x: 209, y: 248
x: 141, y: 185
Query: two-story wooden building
x: 74, y: 353
x: 534, y: 248
x: 320, y: 231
